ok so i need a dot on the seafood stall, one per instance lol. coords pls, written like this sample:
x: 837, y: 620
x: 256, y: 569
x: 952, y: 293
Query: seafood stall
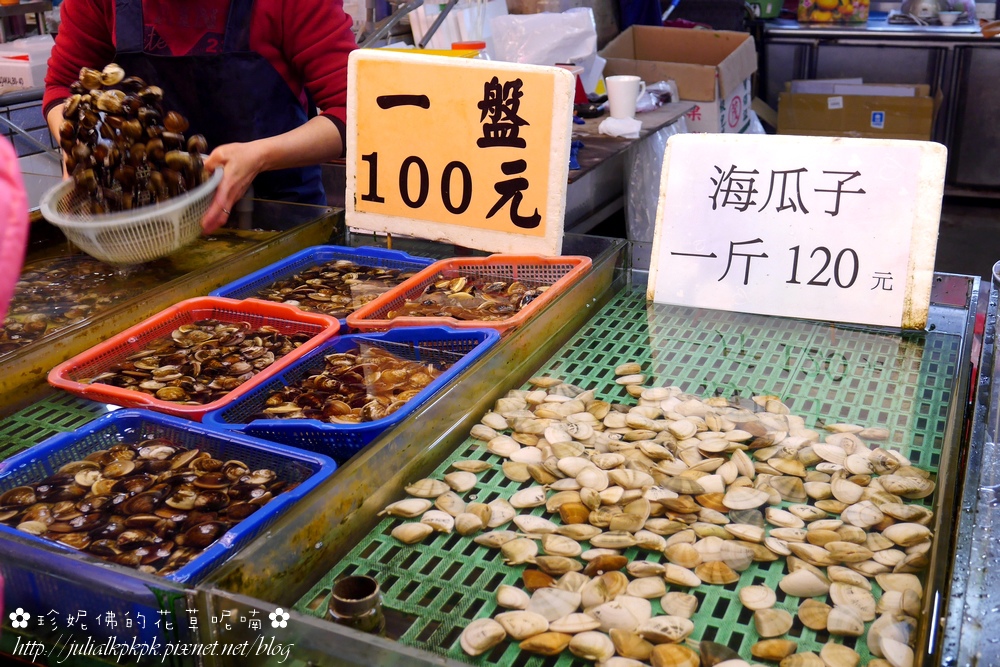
x: 610, y: 481
x: 487, y: 551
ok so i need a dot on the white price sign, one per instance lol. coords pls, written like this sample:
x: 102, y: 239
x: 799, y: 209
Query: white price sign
x: 814, y: 227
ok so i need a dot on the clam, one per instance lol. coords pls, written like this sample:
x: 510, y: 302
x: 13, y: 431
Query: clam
x: 501, y: 512
x: 680, y: 604
x: 408, y: 508
x: 806, y: 659
x: 519, y: 550
x: 630, y: 645
x: 535, y: 525
x: 839, y: 655
x: 481, y: 635
x: 804, y: 583
x: 647, y: 587
x: 522, y: 624
x: 460, y: 481
x: 553, y: 603
x: 574, y: 623
x: 772, y: 622
x: 559, y: 545
x: 510, y: 597
x: 845, y: 621
x: 673, y: 655
x: 666, y: 629
x: 624, y: 612
x: 757, y: 597
x: 472, y: 465
x: 591, y: 645
x: 427, y: 488
x: 557, y: 565
x: 774, y: 650
x: 411, y: 533
x: 467, y: 523
x: 533, y: 496
x: 680, y: 576
x: 450, y: 503
x: 546, y: 643
x: 813, y: 614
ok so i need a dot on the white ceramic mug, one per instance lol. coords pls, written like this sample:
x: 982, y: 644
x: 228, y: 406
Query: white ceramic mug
x: 624, y: 90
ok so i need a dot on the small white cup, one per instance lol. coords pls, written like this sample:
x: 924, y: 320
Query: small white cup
x: 624, y: 90
x: 948, y: 18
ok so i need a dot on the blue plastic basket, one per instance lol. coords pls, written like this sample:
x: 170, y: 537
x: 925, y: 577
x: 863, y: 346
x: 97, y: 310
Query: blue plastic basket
x: 249, y: 285
x: 342, y: 441
x: 306, y: 469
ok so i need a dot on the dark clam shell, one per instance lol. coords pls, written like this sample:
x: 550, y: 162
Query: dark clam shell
x: 134, y: 538
x: 211, y: 500
x: 241, y: 510
x: 20, y: 496
x: 142, y: 503
x: 204, y: 534
x: 109, y: 531
x: 143, y: 521
x: 75, y: 540
x: 133, y: 484
x: 104, y: 548
x: 212, y: 480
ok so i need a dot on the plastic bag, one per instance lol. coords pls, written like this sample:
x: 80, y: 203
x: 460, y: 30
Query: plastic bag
x: 546, y: 39
x: 656, y: 95
x: 642, y: 189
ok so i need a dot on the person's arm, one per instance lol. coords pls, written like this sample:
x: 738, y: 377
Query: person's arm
x: 316, y: 141
x: 84, y: 40
x: 54, y: 120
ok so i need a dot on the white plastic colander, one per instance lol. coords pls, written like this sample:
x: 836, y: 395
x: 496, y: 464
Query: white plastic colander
x: 130, y: 237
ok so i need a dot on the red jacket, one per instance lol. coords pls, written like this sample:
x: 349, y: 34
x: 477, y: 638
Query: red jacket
x: 306, y: 41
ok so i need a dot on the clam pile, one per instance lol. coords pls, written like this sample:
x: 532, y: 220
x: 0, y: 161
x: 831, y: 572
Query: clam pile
x: 153, y: 505
x: 336, y: 288
x: 201, y: 362
x: 63, y: 291
x: 122, y: 148
x: 699, y: 490
x: 469, y: 298
x: 360, y: 385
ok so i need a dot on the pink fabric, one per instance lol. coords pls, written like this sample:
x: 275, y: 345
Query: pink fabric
x: 13, y: 223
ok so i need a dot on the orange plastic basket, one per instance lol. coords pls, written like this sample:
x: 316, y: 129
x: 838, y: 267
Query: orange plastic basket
x: 535, y: 270
x: 69, y: 375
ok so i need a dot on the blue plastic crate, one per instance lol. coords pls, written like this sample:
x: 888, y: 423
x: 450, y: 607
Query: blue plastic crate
x: 460, y: 347
x: 306, y: 469
x: 249, y: 285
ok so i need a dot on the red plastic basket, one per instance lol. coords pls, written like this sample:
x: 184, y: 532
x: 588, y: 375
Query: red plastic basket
x: 558, y: 272
x: 286, y: 319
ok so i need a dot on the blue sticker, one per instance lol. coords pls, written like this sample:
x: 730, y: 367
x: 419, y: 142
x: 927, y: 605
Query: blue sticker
x: 878, y: 120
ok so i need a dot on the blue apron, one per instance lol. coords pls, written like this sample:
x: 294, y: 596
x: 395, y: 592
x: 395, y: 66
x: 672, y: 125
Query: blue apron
x: 235, y: 95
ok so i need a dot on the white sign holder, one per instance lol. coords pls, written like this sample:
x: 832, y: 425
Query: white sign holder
x: 813, y: 227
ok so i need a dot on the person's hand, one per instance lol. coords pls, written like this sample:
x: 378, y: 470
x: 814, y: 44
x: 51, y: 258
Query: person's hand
x: 240, y: 164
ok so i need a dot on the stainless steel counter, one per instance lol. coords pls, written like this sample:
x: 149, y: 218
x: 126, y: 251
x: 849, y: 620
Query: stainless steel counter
x: 878, y: 28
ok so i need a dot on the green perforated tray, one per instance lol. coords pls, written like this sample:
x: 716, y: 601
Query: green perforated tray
x: 827, y: 374
x: 57, y: 413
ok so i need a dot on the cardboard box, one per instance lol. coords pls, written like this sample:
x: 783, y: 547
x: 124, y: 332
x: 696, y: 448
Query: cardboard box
x: 711, y: 68
x: 872, y: 116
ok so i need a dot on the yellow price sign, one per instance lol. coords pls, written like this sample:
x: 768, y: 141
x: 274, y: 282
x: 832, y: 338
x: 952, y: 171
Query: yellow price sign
x: 472, y: 152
